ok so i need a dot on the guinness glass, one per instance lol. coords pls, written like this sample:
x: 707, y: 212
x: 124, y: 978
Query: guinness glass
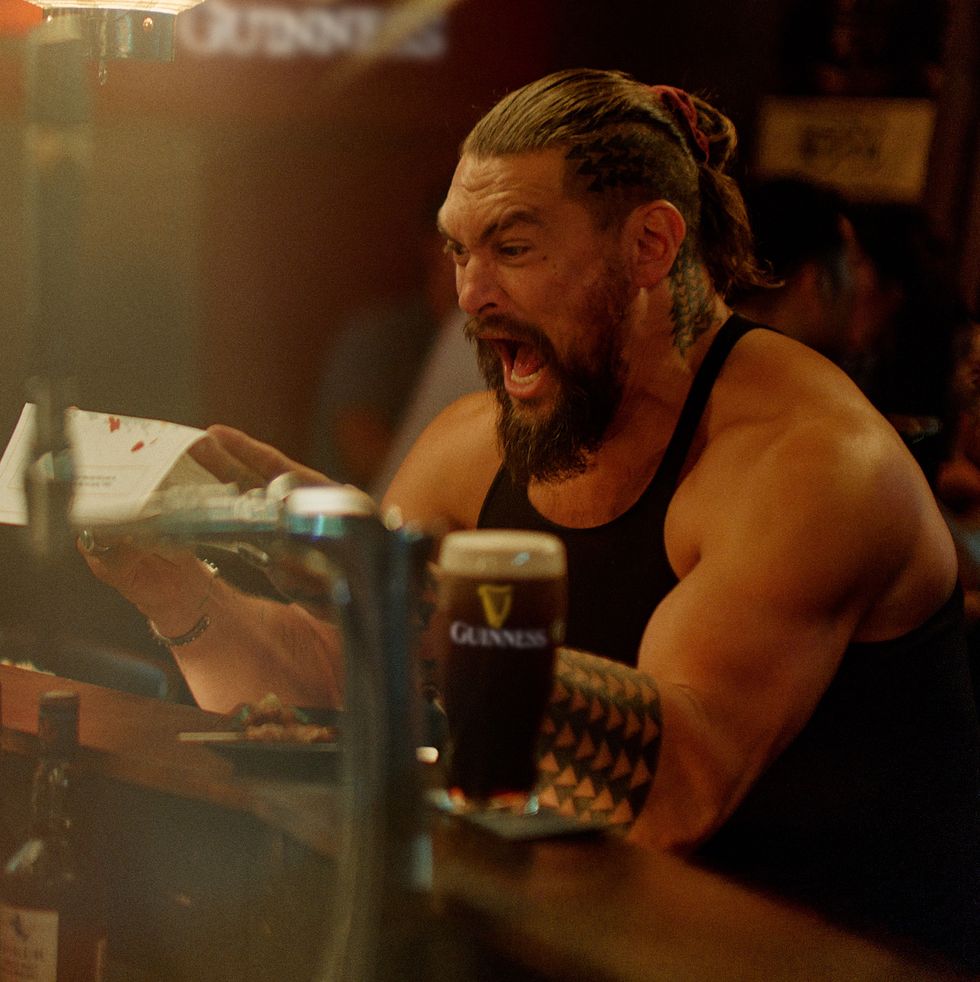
x: 500, y: 615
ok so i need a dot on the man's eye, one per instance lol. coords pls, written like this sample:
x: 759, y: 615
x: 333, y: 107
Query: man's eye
x: 513, y: 251
x: 455, y: 251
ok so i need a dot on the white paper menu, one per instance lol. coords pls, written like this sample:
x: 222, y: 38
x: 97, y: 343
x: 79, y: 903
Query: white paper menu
x: 119, y: 462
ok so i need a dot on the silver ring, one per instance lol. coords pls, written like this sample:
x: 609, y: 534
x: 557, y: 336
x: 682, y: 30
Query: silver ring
x: 89, y: 544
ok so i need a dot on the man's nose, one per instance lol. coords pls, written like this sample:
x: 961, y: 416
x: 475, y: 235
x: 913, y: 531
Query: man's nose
x: 476, y: 287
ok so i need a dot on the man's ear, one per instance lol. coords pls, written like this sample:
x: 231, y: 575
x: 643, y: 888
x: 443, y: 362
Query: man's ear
x: 655, y: 232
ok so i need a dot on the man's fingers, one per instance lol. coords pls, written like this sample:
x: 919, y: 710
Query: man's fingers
x: 263, y: 458
x: 215, y: 457
x: 234, y: 457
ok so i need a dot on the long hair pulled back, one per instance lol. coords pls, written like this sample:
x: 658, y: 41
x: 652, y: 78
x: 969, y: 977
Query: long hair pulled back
x: 625, y: 144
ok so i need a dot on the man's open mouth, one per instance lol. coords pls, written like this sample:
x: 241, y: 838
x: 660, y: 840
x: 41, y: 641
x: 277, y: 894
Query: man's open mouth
x: 522, y: 362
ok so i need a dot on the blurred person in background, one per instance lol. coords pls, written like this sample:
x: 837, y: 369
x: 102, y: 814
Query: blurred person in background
x: 958, y: 477
x: 908, y: 313
x: 392, y: 368
x: 803, y: 235
x: 869, y: 286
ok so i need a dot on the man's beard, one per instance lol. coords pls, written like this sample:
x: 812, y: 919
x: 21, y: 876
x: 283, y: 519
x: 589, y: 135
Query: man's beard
x: 558, y: 445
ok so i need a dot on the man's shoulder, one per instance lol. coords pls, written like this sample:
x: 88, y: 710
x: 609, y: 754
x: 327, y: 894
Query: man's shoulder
x: 450, y: 467
x: 776, y: 384
x: 826, y: 432
x: 787, y: 423
x: 464, y: 434
x: 467, y: 425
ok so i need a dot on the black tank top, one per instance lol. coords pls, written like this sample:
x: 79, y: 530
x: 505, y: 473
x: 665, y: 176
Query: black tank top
x: 613, y: 586
x: 870, y: 815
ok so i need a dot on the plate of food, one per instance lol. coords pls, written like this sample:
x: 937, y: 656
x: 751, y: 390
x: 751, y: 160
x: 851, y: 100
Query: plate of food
x: 274, y: 740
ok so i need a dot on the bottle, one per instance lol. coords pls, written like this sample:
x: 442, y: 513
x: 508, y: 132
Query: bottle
x: 8, y: 841
x: 52, y: 912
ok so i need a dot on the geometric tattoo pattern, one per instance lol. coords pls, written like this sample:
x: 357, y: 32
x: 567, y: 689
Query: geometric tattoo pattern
x: 610, y: 162
x: 691, y: 305
x: 599, y: 743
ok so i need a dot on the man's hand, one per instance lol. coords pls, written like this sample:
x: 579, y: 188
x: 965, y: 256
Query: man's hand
x: 168, y: 585
x: 233, y: 457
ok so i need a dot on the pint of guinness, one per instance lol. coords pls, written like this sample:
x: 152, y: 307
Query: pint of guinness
x: 501, y: 613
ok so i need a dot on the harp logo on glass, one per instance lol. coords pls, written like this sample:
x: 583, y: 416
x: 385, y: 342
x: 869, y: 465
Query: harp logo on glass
x: 497, y: 601
x: 219, y: 29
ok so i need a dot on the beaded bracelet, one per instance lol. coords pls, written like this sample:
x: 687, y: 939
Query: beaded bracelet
x: 198, y: 629
x: 192, y: 635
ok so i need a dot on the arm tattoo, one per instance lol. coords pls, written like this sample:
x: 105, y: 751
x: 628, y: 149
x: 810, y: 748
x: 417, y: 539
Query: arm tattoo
x: 599, y: 741
x: 691, y: 310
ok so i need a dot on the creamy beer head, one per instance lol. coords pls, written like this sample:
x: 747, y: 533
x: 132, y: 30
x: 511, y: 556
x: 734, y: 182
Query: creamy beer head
x: 502, y: 554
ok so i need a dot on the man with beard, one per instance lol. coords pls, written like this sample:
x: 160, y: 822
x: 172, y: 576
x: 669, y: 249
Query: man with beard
x: 754, y: 557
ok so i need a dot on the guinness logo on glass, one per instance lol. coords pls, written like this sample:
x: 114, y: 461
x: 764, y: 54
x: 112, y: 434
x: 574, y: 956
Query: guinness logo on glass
x: 497, y: 599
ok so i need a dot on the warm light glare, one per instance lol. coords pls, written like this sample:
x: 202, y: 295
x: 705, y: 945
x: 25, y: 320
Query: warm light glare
x: 150, y: 6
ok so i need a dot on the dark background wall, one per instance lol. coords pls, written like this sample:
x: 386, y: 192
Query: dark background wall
x: 241, y: 207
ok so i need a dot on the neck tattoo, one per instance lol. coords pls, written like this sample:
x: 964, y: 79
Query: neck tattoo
x: 691, y: 310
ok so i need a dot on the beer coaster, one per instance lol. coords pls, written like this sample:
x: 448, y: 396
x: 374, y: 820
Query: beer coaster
x: 544, y: 824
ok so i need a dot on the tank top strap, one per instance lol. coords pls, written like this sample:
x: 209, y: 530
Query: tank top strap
x: 622, y: 565
x: 689, y: 419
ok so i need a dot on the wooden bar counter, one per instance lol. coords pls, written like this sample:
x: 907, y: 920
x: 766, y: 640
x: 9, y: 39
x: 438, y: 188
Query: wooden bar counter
x: 219, y: 876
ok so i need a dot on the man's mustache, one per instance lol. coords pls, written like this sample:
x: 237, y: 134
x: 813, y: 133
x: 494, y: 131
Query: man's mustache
x: 516, y: 330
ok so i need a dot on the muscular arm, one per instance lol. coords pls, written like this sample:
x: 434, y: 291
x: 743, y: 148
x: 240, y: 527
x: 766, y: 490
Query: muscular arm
x: 251, y: 646
x: 599, y: 741
x: 275, y: 648
x: 736, y: 657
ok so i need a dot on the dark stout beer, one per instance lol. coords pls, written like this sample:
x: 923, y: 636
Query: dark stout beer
x: 502, y: 600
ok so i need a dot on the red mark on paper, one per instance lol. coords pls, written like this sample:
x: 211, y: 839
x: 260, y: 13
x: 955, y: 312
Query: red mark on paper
x: 114, y: 424
x: 137, y: 446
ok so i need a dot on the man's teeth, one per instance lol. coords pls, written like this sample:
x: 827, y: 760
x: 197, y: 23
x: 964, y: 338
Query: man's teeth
x: 524, y: 379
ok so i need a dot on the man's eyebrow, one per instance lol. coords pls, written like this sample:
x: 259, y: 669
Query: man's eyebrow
x: 520, y: 216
